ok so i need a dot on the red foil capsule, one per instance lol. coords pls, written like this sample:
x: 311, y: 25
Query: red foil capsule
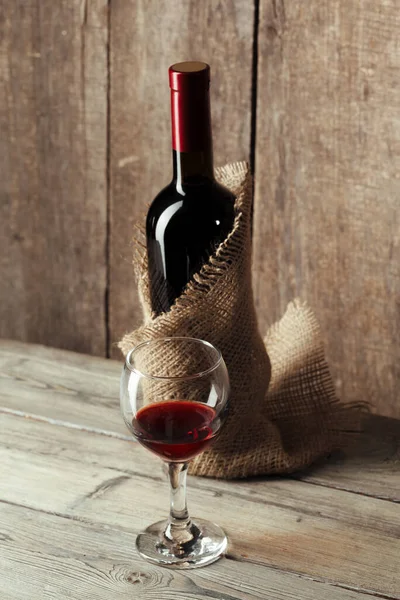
x: 190, y: 106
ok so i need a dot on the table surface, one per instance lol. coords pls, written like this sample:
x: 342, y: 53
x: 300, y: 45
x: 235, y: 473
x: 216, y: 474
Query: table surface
x: 75, y: 490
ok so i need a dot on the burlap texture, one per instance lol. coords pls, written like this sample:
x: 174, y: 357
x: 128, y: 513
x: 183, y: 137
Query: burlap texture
x: 269, y: 430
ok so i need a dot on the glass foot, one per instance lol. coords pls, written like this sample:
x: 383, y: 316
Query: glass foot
x: 206, y: 544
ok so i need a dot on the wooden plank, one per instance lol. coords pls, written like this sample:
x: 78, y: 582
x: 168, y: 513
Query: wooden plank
x: 82, y: 391
x: 370, y: 466
x: 145, y: 39
x: 53, y: 113
x: 289, y: 525
x: 54, y: 557
x: 327, y: 215
x: 86, y: 395
x: 61, y: 385
x: 125, y: 457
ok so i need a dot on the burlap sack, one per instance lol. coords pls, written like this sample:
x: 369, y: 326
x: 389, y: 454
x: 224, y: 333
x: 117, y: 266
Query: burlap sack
x: 298, y: 419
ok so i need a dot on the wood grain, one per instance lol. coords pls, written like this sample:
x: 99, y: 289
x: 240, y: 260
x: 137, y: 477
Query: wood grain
x: 81, y: 391
x: 146, y: 37
x: 123, y: 458
x: 76, y: 495
x: 370, y: 465
x: 53, y: 164
x: 84, y: 559
x: 61, y: 385
x: 289, y: 525
x: 327, y: 215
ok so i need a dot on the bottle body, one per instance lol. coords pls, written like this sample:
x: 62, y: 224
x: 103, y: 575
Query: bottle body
x: 191, y: 216
x: 182, y: 233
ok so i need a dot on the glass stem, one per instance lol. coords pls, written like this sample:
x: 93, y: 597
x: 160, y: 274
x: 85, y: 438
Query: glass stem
x: 179, y: 515
x: 180, y: 534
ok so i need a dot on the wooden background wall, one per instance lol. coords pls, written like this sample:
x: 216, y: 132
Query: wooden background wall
x: 308, y: 92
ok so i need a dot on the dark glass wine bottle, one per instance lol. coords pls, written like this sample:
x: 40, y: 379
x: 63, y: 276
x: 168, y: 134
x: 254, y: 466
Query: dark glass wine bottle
x: 191, y: 216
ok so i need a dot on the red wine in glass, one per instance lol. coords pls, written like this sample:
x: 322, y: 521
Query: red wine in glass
x: 176, y: 430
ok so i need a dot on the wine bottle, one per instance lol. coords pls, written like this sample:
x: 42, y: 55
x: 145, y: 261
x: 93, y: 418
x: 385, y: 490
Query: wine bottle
x: 190, y: 217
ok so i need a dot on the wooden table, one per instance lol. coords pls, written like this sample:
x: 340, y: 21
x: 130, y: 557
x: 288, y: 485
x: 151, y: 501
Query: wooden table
x: 75, y: 490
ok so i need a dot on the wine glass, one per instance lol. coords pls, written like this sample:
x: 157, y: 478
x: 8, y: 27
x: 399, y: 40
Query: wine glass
x: 174, y: 395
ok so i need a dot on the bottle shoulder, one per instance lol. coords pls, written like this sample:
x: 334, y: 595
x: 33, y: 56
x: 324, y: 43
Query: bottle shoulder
x: 210, y: 196
x: 209, y: 208
x: 165, y: 197
x: 224, y: 192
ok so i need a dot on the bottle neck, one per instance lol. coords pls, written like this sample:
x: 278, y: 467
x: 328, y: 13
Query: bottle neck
x: 192, y: 167
x: 191, y: 136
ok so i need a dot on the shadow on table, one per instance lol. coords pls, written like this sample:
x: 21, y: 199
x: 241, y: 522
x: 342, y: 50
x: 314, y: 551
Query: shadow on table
x: 369, y: 465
